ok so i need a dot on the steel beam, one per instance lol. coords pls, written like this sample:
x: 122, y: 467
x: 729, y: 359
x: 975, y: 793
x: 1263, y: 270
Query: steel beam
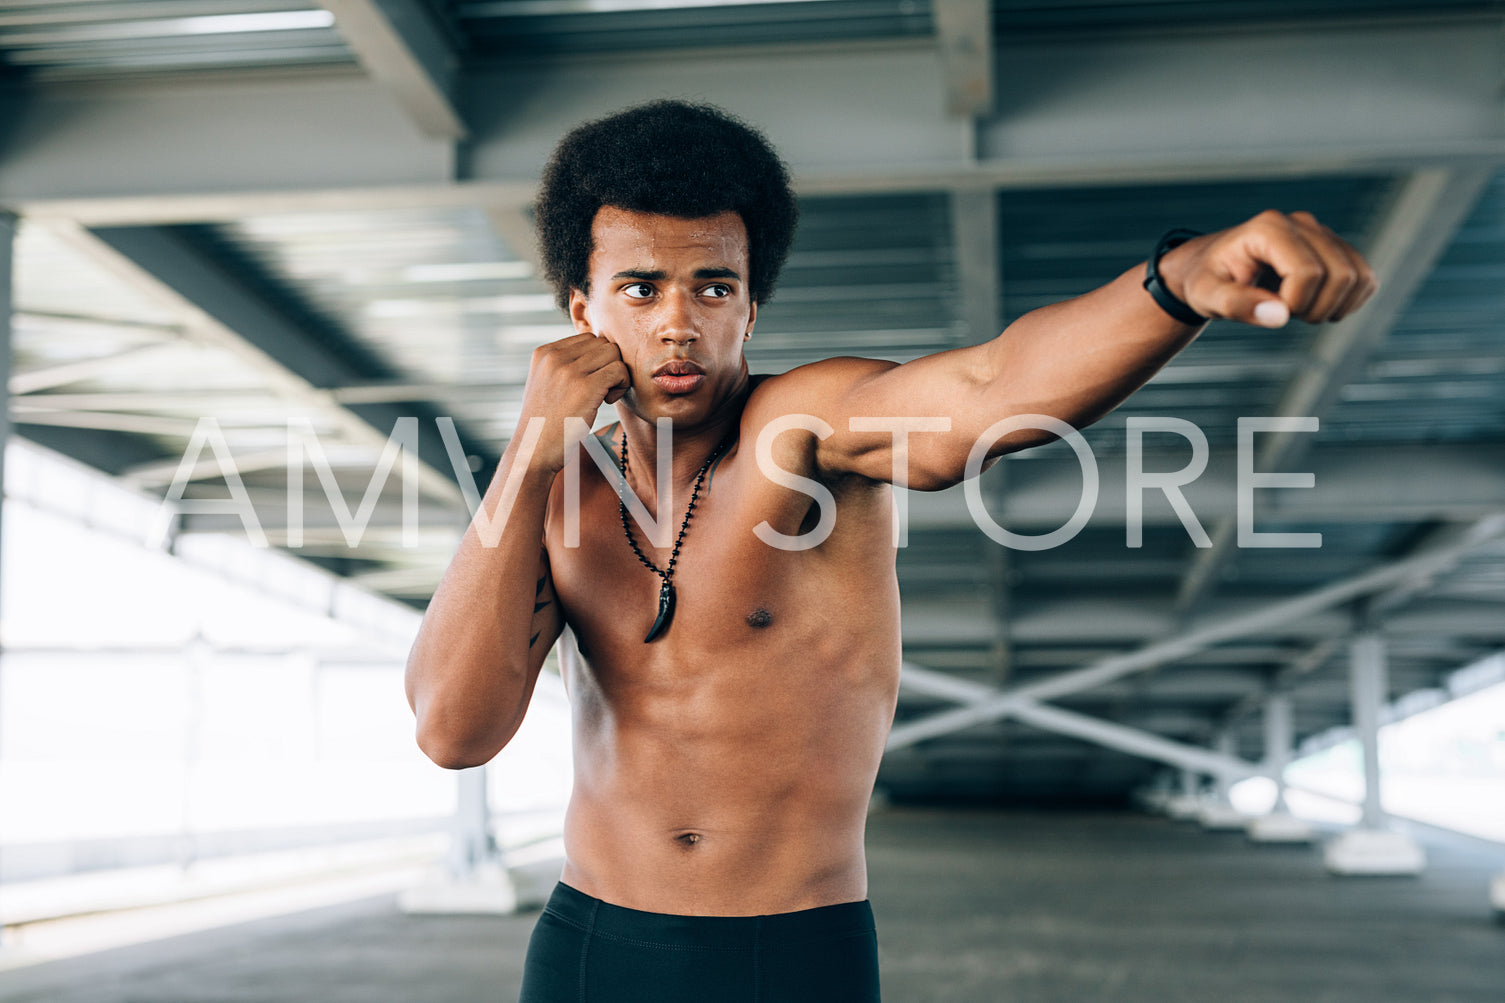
x: 400, y: 46
x: 1426, y: 215
x: 1193, y: 641
x: 1064, y: 722
x: 292, y: 361
x: 961, y: 625
x: 964, y: 36
x: 160, y: 473
x: 975, y: 244
x: 1319, y: 654
x: 1355, y: 483
x: 1135, y: 742
x: 318, y: 520
x: 1080, y: 111
x: 36, y: 380
x: 136, y: 424
x: 107, y: 451
x: 1380, y: 605
x: 1309, y: 660
x: 1192, y: 761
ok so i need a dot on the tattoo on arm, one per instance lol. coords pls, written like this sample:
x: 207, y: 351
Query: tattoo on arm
x: 540, y: 600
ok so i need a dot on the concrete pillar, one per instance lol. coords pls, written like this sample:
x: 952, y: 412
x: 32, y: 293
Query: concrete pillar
x: 1279, y: 826
x: 1218, y: 814
x: 1280, y: 735
x: 472, y: 878
x: 470, y: 844
x: 1225, y: 744
x: 1372, y: 847
x: 1188, y: 802
x: 1368, y: 687
x: 7, y: 308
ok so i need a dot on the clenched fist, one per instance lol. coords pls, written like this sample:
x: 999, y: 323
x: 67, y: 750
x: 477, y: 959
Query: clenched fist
x: 570, y: 378
x: 1268, y: 270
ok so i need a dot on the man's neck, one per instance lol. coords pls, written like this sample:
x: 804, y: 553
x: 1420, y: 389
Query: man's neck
x: 689, y: 447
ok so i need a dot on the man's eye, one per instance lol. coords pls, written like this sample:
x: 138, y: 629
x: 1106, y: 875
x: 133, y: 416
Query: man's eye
x: 718, y: 290
x: 638, y: 290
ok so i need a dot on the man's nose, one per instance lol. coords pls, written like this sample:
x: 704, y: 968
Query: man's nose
x: 677, y: 323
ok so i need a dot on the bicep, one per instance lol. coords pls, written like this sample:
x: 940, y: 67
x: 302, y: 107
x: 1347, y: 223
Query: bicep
x: 915, y: 423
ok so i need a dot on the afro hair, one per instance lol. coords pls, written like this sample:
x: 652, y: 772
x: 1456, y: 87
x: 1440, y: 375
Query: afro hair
x: 670, y: 158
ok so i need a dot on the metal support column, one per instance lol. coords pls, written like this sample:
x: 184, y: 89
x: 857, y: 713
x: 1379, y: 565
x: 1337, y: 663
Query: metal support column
x: 1227, y: 745
x: 1219, y: 814
x: 7, y: 272
x: 470, y: 844
x: 1279, y: 734
x: 1186, y: 804
x: 472, y: 877
x: 1279, y: 826
x: 1371, y: 848
x: 1368, y: 687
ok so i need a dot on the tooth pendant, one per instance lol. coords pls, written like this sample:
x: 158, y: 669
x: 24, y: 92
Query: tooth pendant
x: 665, y: 611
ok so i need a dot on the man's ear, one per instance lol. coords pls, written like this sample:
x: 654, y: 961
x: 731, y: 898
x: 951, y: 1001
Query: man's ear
x: 752, y: 318
x: 580, y: 312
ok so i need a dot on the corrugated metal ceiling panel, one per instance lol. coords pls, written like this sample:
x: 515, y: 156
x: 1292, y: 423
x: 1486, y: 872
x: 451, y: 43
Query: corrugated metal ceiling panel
x: 90, y: 39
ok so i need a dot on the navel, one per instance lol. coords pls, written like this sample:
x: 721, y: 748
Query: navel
x: 759, y: 618
x: 688, y: 839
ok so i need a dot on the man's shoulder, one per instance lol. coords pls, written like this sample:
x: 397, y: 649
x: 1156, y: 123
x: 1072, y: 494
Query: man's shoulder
x: 809, y: 389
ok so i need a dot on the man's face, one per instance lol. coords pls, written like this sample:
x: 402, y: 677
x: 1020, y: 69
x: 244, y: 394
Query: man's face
x: 672, y: 295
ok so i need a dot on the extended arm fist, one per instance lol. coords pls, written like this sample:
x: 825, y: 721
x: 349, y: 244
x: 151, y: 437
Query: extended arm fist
x: 1268, y: 270
x: 570, y: 378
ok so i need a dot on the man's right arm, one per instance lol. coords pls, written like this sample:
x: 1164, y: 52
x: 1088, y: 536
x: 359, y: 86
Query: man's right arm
x: 494, y: 615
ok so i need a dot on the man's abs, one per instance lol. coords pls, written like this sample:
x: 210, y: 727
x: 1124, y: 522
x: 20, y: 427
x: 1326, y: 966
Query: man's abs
x: 740, y: 795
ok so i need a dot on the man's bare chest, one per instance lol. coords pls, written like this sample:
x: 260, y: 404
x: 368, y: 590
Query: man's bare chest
x: 724, y: 576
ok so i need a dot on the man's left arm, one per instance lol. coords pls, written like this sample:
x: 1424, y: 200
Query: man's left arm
x: 1078, y: 359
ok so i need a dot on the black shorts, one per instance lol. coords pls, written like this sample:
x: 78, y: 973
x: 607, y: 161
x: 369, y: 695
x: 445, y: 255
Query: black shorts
x: 584, y: 950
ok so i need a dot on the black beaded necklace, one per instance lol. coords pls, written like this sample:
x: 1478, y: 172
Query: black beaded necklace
x: 666, y: 590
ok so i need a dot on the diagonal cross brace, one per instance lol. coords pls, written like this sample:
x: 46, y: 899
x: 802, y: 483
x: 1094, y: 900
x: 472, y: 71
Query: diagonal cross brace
x: 984, y: 704
x: 1134, y: 741
x: 1116, y: 736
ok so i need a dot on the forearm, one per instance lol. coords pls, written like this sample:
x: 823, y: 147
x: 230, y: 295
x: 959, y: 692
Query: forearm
x: 472, y: 667
x: 1079, y: 359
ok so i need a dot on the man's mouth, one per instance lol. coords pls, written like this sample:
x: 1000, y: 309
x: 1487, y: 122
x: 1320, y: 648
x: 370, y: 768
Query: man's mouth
x: 678, y: 376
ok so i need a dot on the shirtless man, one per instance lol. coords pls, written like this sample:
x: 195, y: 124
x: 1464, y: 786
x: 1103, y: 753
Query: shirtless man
x: 714, y: 837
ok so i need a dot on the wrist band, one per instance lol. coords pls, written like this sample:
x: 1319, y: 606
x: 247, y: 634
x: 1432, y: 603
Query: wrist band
x: 1163, y: 296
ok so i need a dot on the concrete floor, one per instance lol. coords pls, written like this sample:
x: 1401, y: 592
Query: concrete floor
x: 972, y: 907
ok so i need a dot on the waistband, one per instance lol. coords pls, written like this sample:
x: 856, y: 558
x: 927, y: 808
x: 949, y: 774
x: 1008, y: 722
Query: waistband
x: 828, y: 922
